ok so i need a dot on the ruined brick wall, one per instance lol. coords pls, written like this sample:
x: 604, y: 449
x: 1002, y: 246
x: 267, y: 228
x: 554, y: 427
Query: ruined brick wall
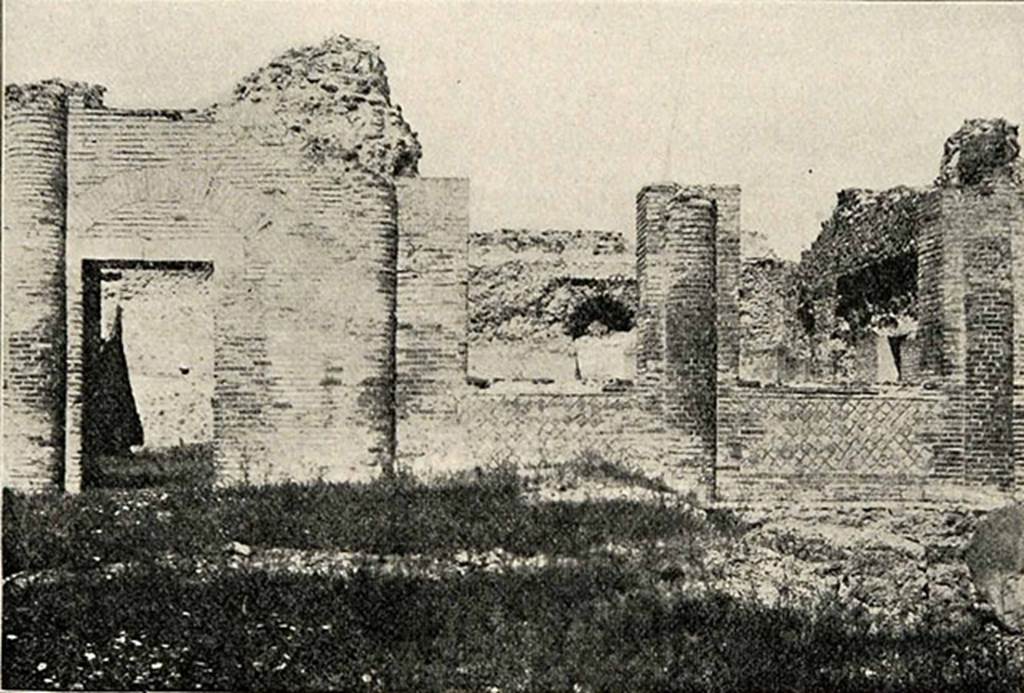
x: 866, y: 226
x: 35, y: 146
x: 868, y: 239
x: 771, y: 344
x: 961, y: 433
x: 526, y: 291
x: 304, y: 284
x: 348, y: 321
x: 168, y: 337
x: 331, y: 101
x: 836, y: 443
x: 532, y: 429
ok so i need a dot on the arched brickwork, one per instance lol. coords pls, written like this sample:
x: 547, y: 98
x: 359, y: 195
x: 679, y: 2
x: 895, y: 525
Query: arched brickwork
x: 304, y: 377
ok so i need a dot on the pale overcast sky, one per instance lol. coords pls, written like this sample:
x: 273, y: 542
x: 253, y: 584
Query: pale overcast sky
x: 559, y: 113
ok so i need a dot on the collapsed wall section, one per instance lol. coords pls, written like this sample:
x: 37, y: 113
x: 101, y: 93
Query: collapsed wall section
x: 942, y: 264
x: 770, y: 342
x: 858, y: 289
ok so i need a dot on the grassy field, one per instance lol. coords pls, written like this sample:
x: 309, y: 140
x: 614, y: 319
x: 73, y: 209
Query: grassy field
x: 398, y: 516
x: 606, y: 621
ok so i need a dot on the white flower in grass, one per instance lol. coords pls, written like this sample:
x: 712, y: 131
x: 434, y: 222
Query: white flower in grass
x: 41, y: 666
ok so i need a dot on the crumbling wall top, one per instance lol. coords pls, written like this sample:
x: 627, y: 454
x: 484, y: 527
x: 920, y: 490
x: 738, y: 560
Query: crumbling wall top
x: 595, y: 242
x: 333, y: 102
x: 53, y: 93
x: 980, y: 149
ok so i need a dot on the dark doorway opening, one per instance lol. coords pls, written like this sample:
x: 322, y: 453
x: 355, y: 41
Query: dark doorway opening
x: 147, y: 382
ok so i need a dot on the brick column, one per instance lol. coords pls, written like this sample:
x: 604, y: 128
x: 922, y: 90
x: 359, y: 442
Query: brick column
x: 652, y: 280
x: 1015, y: 202
x: 985, y: 219
x: 35, y: 191
x: 678, y: 354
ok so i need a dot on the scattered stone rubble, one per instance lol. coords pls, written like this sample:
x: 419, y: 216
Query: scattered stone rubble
x: 902, y: 565
x: 898, y: 563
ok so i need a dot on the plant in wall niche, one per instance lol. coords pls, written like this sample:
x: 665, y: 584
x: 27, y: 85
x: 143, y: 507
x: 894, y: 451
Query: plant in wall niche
x: 599, y: 315
x: 881, y: 296
x: 835, y: 352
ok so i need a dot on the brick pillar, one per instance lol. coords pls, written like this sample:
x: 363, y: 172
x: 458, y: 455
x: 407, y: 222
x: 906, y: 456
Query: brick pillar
x: 34, y: 180
x: 940, y: 292
x: 678, y: 354
x: 652, y: 280
x: 433, y: 246
x: 1015, y: 203
x: 727, y: 275
x: 986, y: 219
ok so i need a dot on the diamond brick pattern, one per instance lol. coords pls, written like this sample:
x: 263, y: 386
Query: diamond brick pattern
x: 811, y: 434
x: 540, y: 430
